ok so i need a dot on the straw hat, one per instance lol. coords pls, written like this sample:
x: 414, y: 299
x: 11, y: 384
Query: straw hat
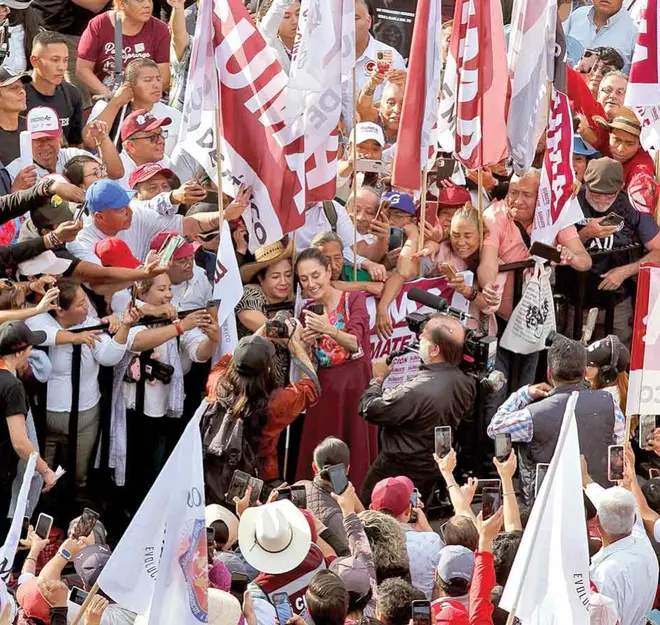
x: 625, y: 120
x: 266, y: 256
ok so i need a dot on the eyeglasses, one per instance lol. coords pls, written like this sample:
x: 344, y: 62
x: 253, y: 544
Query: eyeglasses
x: 610, y: 91
x: 161, y: 136
x: 98, y: 172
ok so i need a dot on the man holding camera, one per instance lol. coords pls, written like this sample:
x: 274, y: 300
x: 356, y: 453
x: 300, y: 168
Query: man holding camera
x: 408, y: 414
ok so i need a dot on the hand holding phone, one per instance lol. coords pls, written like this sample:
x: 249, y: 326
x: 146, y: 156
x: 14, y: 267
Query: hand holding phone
x: 442, y: 440
x: 547, y: 252
x: 282, y: 607
x: 44, y: 523
x: 336, y: 475
x: 421, y: 612
x: 615, y: 460
x: 491, y: 500
x: 503, y: 447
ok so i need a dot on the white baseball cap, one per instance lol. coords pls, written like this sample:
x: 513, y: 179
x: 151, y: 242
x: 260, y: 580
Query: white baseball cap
x: 46, y: 262
x: 42, y: 121
x: 366, y: 131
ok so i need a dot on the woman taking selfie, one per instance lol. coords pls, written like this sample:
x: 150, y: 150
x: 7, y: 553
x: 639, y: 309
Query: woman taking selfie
x: 336, y: 328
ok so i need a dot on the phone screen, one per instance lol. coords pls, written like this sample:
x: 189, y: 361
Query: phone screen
x: 299, y: 496
x: 444, y: 168
x: 44, y: 523
x: 615, y: 463
x: 238, y: 485
x: 646, y: 431
x: 77, y: 595
x: 612, y: 219
x: 490, y: 502
x: 282, y: 607
x: 491, y: 483
x: 541, y: 470
x: 502, y: 446
x: 397, y: 238
x: 442, y: 441
x: 421, y: 612
x: 338, y: 478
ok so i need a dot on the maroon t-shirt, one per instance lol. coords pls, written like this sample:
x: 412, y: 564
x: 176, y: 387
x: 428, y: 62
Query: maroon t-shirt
x: 97, y: 45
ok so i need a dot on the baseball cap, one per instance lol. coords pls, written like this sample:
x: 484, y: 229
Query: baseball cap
x: 8, y: 77
x: 580, y: 148
x: 401, y: 201
x: 454, y: 196
x: 141, y: 121
x: 456, y: 562
x: 600, y: 353
x: 42, y: 121
x: 368, y: 131
x: 448, y: 612
x: 15, y: 336
x: 51, y: 214
x: 147, y: 171
x: 183, y: 251
x: 604, y: 175
x: 253, y: 354
x: 114, y: 252
x: 106, y: 194
x: 392, y: 495
x: 89, y: 563
x: 32, y: 602
x: 46, y: 262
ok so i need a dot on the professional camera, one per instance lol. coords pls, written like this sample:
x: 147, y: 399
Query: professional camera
x: 276, y: 329
x: 479, y: 349
x: 156, y: 370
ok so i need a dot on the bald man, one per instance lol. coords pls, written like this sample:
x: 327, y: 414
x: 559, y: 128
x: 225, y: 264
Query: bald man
x: 440, y: 394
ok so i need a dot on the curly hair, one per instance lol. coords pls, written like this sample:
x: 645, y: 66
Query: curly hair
x: 388, y: 545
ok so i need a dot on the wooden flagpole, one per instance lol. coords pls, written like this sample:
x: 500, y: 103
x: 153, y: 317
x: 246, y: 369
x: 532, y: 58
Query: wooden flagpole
x: 422, y: 211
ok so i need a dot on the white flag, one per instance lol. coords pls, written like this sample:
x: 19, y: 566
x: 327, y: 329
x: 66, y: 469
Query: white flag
x: 227, y: 290
x: 160, y: 564
x: 8, y: 550
x: 549, y: 580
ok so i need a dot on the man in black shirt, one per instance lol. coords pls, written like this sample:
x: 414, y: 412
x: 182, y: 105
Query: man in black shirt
x: 12, y: 104
x: 16, y: 341
x: 49, y: 58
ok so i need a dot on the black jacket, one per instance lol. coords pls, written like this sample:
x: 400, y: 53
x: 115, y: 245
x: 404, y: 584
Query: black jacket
x: 16, y: 204
x: 440, y: 394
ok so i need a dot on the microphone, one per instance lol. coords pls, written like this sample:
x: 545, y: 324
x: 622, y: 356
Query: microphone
x: 428, y: 299
x: 494, y: 381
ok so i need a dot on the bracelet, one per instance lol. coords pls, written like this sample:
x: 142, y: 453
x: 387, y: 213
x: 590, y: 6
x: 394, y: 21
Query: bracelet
x: 511, y: 493
x: 177, y: 327
x: 452, y: 485
x: 473, y: 295
x: 31, y: 558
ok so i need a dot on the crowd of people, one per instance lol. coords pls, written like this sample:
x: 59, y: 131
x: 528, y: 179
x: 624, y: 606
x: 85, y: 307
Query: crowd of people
x: 336, y: 491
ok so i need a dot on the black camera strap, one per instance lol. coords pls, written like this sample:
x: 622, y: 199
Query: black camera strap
x: 143, y: 358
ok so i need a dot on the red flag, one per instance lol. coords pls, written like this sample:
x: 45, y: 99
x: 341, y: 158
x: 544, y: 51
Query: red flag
x: 644, y: 81
x: 644, y: 383
x: 420, y: 101
x: 480, y: 53
x: 258, y: 148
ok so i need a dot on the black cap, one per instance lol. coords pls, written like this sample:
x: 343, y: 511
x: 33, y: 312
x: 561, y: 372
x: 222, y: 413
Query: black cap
x: 253, y: 354
x: 8, y: 77
x: 599, y: 353
x: 51, y: 214
x: 15, y: 336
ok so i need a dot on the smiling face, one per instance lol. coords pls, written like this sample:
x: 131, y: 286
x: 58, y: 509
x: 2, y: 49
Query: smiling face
x: 390, y: 108
x: 277, y: 281
x: 146, y: 147
x: 464, y: 237
x: 369, y: 149
x: 365, y: 209
x: 611, y: 93
x: 314, y: 278
x: 45, y: 151
x: 149, y: 189
x: 160, y: 291
x: 521, y: 198
x: 334, y: 252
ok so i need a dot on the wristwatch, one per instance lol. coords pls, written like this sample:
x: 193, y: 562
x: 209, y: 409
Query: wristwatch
x: 64, y: 553
x: 48, y: 183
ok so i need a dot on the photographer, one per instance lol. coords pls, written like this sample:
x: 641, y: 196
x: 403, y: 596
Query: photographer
x: 439, y: 395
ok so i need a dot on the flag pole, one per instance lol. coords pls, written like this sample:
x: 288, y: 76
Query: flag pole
x: 657, y: 179
x: 85, y: 604
x: 422, y: 210
x: 545, y: 493
x: 354, y: 216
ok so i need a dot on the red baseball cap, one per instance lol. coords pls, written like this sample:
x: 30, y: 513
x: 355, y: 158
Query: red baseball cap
x: 446, y: 611
x: 116, y: 253
x: 183, y: 251
x: 32, y: 602
x: 147, y: 171
x: 141, y: 121
x: 392, y: 495
x: 454, y: 196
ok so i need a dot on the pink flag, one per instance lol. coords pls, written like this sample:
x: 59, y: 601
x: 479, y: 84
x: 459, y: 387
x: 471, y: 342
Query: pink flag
x: 482, y: 83
x: 644, y: 80
x: 415, y: 140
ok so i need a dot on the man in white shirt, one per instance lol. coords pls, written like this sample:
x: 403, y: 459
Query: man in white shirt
x: 368, y: 49
x: 111, y: 216
x: 626, y: 568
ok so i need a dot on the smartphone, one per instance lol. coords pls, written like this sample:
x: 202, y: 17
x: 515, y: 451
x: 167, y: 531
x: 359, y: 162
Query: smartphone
x: 239, y: 584
x: 169, y: 247
x: 317, y: 309
x: 282, y: 607
x: 80, y: 211
x: 298, y: 496
x: 337, y: 477
x: 414, y: 502
x: 383, y: 61
x: 370, y: 166
x: 543, y: 250
x: 493, y: 484
x: 25, y: 527
x: 444, y: 168
x: 239, y: 484
x: 615, y: 463
x: 612, y: 219
x: 397, y: 238
x: 448, y: 270
x: 442, y: 441
x: 86, y: 523
x: 421, y: 612
x: 646, y: 431
x: 491, y: 500
x: 541, y: 470
x: 77, y: 595
x: 503, y: 447
x: 653, y: 473
x: 44, y: 523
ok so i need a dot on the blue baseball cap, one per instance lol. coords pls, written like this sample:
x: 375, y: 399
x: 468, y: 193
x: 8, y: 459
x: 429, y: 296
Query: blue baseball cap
x: 106, y: 194
x: 401, y: 201
x: 580, y: 148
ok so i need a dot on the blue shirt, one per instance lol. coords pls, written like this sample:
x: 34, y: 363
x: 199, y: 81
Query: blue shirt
x: 619, y: 32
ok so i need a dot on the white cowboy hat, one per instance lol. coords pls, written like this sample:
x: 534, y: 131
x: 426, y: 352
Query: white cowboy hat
x: 224, y: 609
x: 216, y: 512
x: 274, y: 538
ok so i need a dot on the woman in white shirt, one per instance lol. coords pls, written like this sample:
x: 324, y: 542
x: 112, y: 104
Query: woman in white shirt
x: 153, y: 383
x: 98, y: 349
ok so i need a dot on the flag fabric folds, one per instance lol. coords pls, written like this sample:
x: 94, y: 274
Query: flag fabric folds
x: 159, y: 566
x: 416, y: 137
x: 227, y: 291
x: 549, y: 580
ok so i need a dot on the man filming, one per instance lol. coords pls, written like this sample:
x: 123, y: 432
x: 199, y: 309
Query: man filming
x: 440, y: 394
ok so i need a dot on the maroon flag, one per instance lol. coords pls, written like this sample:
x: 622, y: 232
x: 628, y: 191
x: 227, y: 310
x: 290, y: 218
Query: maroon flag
x: 644, y: 81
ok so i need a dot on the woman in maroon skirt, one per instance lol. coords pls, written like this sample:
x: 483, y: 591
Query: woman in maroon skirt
x: 337, y: 329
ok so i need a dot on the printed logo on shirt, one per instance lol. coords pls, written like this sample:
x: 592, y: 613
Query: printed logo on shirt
x: 128, y: 54
x: 64, y: 122
x: 139, y: 47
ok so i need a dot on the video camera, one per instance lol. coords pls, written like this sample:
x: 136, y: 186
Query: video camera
x: 479, y: 349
